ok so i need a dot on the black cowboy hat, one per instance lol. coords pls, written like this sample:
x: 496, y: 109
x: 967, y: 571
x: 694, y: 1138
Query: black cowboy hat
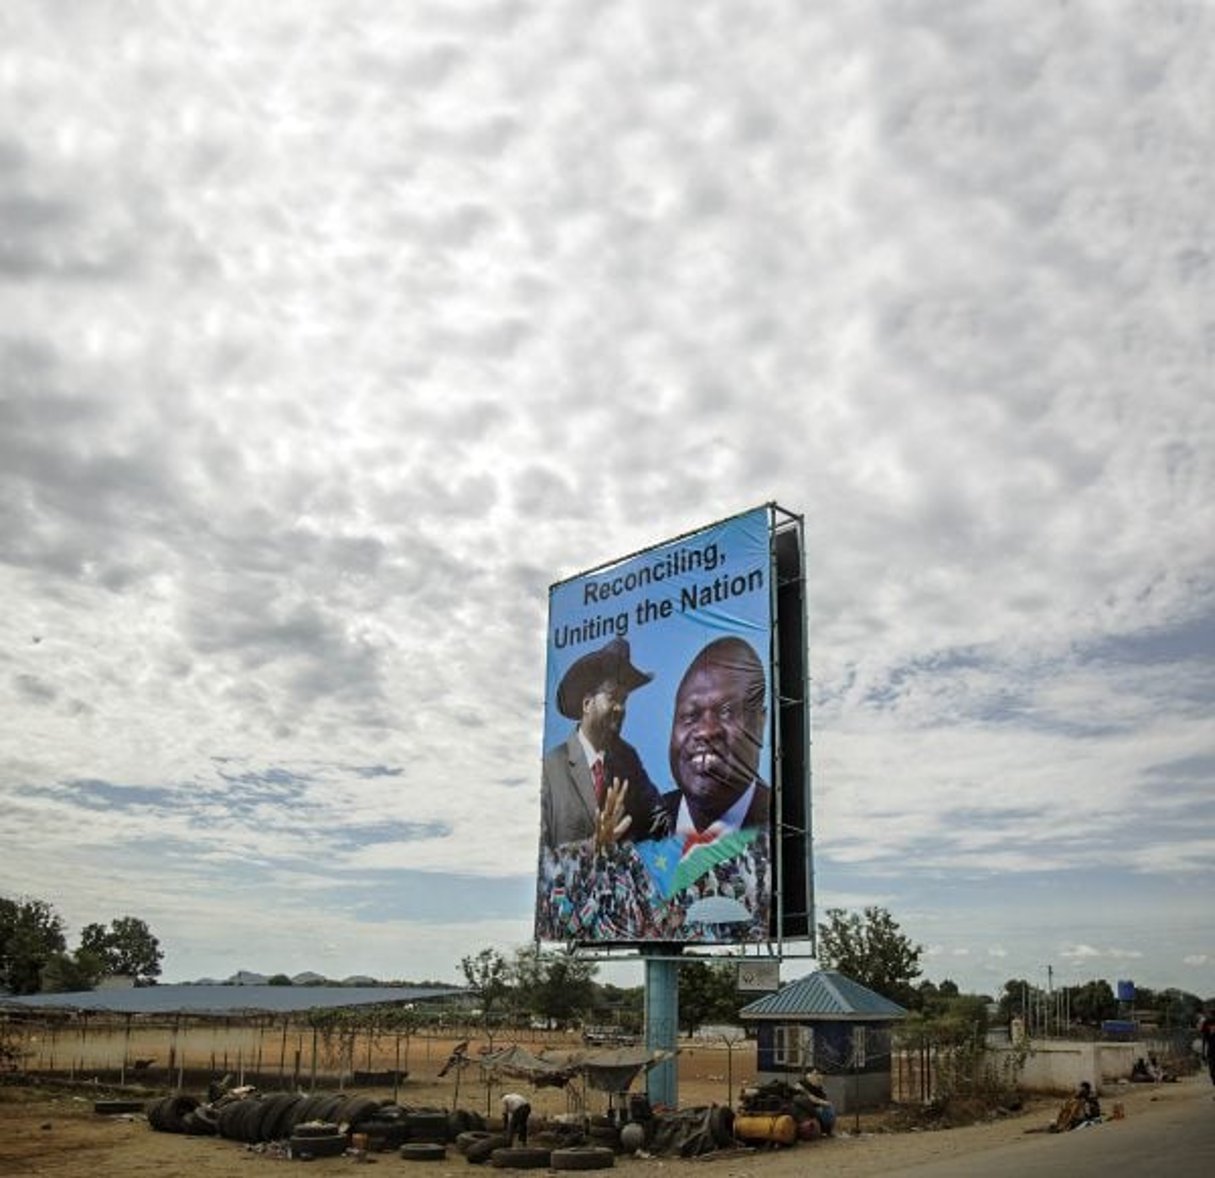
x: 588, y: 672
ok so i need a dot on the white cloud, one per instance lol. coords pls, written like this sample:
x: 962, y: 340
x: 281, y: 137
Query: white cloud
x: 333, y: 337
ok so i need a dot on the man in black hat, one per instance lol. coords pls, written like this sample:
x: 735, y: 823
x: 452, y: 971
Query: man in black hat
x: 594, y: 785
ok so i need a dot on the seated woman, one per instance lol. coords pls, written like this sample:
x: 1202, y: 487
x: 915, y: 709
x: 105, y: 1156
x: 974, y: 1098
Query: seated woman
x: 1081, y: 1108
x: 1157, y: 1073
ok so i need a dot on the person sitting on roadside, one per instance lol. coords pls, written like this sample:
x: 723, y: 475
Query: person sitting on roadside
x: 1159, y: 1074
x: 1081, y: 1108
x: 810, y: 1094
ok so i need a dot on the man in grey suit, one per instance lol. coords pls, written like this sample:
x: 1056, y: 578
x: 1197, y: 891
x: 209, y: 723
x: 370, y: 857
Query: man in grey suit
x: 594, y: 785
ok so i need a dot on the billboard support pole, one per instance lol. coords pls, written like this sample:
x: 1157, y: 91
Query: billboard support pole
x: 662, y: 1023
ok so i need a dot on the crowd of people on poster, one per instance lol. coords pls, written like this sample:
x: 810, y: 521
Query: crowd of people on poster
x: 656, y: 779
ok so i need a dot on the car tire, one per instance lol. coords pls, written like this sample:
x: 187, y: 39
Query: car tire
x: 428, y: 1126
x: 479, y: 1152
x: 333, y: 1145
x: 588, y: 1158
x: 607, y: 1136
x: 355, y: 1109
x: 721, y: 1126
x: 521, y: 1157
x: 109, y: 1108
x: 468, y: 1138
x: 423, y: 1151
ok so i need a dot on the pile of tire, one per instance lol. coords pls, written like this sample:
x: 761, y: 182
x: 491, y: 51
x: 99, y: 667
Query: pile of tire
x: 181, y: 1114
x: 391, y: 1125
x: 561, y: 1135
x: 464, y: 1121
x: 477, y: 1145
x: 311, y: 1124
x: 604, y: 1133
x: 428, y: 1126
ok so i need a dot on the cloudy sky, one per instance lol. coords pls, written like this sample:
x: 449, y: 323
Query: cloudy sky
x: 332, y: 334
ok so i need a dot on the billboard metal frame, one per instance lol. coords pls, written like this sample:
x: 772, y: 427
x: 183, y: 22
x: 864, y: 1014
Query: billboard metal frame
x: 789, y: 726
x: 793, y: 799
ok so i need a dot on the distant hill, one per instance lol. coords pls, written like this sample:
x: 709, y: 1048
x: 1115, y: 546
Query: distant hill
x: 309, y: 977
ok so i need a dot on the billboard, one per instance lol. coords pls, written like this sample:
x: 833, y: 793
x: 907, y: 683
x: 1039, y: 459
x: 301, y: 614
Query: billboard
x: 659, y: 805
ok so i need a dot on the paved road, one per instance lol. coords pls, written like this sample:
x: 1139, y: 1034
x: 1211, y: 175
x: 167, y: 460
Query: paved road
x: 1177, y: 1141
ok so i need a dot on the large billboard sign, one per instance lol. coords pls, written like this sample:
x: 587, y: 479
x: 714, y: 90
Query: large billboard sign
x: 658, y: 802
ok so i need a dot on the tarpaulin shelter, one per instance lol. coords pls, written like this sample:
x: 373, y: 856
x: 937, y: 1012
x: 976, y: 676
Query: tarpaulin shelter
x: 615, y: 1069
x: 524, y: 1065
x: 609, y: 1070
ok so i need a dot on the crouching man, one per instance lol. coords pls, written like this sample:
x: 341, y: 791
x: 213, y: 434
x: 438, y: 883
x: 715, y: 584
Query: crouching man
x: 515, y: 1111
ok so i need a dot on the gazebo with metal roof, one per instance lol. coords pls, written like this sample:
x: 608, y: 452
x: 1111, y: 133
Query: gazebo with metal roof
x: 829, y: 1023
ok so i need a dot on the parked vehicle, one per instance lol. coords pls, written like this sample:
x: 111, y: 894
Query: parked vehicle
x: 608, y: 1037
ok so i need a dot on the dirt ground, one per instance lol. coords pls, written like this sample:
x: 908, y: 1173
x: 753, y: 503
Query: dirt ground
x: 55, y: 1133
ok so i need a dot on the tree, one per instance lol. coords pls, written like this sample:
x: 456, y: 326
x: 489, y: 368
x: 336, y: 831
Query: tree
x: 31, y: 933
x: 707, y: 994
x: 488, y: 977
x: 871, y: 950
x: 279, y: 979
x: 68, y: 973
x: 1092, y: 1002
x: 623, y: 1005
x: 1172, y: 1007
x: 556, y: 986
x: 126, y: 947
x: 1017, y: 999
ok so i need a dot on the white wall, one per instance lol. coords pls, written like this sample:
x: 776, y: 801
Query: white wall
x: 1058, y: 1065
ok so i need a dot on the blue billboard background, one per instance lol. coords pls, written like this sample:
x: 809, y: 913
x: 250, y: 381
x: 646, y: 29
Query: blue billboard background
x: 704, y: 586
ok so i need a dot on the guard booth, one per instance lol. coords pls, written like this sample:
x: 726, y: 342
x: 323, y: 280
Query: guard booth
x: 829, y: 1023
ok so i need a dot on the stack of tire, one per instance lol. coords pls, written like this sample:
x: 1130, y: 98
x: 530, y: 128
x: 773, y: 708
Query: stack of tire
x: 480, y: 1148
x: 181, y: 1114
x: 313, y: 1126
x: 604, y: 1133
x: 317, y: 1125
x: 280, y: 1116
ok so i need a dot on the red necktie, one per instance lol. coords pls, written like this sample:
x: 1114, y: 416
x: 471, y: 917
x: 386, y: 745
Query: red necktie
x: 597, y: 778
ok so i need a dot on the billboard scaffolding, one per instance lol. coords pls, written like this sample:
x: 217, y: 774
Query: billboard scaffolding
x: 675, y: 803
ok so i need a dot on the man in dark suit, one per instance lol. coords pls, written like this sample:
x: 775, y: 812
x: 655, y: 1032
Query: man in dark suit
x: 594, y: 785
x: 717, y: 734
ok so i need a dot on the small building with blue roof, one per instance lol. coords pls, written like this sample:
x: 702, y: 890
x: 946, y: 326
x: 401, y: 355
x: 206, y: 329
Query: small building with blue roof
x: 828, y: 1023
